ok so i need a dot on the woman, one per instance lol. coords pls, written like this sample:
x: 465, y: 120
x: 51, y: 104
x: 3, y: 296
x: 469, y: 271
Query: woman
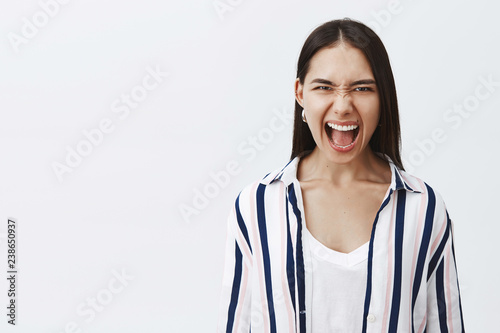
x: 341, y: 239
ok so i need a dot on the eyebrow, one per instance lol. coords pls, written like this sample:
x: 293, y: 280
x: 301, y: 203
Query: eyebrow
x: 354, y: 83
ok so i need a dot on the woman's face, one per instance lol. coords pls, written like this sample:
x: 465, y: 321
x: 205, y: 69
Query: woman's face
x: 341, y: 102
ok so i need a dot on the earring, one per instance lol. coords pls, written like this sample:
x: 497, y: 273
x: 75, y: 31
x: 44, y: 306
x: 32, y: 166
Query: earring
x: 304, y: 116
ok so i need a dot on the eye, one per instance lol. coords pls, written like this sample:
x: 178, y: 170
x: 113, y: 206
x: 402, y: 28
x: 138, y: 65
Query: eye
x: 363, y: 89
x: 323, y: 88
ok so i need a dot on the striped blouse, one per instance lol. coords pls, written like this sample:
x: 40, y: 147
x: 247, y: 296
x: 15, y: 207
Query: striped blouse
x: 411, y: 281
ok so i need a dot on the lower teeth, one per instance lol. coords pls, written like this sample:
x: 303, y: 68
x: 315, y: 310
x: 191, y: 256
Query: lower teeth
x: 344, y: 146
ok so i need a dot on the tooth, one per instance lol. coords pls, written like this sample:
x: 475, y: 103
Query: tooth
x: 342, y: 128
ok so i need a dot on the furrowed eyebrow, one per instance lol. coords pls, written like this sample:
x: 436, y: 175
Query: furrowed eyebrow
x: 354, y: 83
x: 359, y: 82
x: 323, y: 81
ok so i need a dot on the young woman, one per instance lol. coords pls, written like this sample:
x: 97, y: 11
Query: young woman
x: 341, y: 239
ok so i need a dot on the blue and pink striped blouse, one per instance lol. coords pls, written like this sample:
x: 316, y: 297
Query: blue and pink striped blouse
x: 411, y: 282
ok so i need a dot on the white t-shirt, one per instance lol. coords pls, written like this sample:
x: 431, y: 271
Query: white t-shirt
x: 338, y: 287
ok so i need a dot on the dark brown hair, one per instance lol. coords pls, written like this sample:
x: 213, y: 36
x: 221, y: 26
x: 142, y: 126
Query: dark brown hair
x: 387, y: 137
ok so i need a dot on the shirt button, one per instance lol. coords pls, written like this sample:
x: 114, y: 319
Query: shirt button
x: 371, y: 318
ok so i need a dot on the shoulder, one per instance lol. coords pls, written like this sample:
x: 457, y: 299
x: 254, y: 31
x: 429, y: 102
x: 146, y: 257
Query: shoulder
x: 270, y: 180
x: 427, y: 203
x: 264, y: 188
x: 419, y: 185
x: 284, y: 174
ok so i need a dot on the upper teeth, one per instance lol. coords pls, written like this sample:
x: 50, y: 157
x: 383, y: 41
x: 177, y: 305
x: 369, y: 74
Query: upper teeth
x: 342, y: 128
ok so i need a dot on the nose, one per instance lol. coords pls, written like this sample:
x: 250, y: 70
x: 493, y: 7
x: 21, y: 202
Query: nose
x: 342, y: 103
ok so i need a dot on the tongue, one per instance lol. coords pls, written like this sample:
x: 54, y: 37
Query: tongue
x: 342, y: 138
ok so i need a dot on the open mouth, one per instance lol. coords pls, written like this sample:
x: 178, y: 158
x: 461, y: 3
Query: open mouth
x: 342, y: 137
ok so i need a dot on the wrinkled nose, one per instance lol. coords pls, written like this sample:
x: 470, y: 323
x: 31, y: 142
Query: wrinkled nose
x: 342, y: 104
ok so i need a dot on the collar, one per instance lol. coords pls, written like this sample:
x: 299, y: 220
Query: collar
x: 400, y: 179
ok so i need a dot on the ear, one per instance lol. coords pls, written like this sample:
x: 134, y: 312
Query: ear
x: 299, y: 92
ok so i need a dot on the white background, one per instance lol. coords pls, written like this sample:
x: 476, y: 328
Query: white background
x: 229, y: 75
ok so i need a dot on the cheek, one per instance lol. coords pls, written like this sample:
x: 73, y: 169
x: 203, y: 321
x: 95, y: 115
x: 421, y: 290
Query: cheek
x: 317, y: 103
x: 314, y: 122
x: 370, y: 113
x: 315, y: 112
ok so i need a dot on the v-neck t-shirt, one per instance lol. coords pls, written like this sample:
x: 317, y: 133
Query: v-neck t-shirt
x: 338, y: 287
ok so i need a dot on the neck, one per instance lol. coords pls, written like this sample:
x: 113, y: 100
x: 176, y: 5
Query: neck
x: 366, y: 166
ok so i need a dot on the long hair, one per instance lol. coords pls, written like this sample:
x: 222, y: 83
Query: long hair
x: 387, y: 138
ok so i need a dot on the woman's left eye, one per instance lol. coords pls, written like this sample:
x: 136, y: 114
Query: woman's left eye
x: 363, y: 89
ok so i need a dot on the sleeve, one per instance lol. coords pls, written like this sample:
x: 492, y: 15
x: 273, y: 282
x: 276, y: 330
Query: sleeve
x: 235, y: 299
x: 444, y: 308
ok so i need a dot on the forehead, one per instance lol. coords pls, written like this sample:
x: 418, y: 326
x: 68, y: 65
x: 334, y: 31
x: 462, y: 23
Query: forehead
x: 339, y: 64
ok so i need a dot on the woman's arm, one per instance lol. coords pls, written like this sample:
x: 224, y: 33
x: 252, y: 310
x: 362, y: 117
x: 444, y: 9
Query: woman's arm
x: 234, y: 308
x: 444, y: 308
